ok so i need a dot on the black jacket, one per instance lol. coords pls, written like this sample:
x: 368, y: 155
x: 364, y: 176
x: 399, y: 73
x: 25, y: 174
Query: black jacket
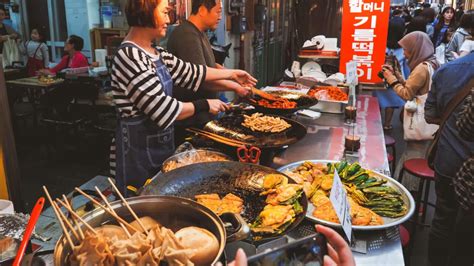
x: 396, y: 29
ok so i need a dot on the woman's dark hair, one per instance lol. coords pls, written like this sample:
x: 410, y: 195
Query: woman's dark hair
x: 417, y: 24
x: 141, y: 13
x: 467, y: 21
x: 77, y: 41
x: 441, y: 21
x: 429, y: 14
x: 196, y: 4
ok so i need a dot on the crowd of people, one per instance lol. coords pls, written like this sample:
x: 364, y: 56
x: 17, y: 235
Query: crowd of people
x: 431, y: 64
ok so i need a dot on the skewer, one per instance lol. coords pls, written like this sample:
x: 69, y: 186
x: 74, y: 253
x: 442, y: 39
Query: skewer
x: 68, y: 223
x: 104, y: 198
x: 204, y: 132
x: 230, y: 142
x: 65, y: 232
x: 128, y: 206
x: 118, y: 218
x: 81, y: 233
x: 77, y: 216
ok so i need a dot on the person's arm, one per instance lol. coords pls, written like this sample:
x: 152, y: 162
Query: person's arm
x: 12, y: 33
x: 145, y: 91
x: 413, y: 84
x: 452, y: 47
x: 60, y: 66
x: 191, y: 76
x: 22, y: 48
x: 45, y: 54
x: 219, y: 66
x: 465, y: 120
x: 432, y: 115
x: 228, y: 85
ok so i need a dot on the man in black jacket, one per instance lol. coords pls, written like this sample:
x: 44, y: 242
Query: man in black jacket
x: 189, y: 42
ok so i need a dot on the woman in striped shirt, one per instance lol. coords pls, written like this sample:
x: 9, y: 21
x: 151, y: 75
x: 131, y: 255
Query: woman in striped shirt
x: 142, y: 78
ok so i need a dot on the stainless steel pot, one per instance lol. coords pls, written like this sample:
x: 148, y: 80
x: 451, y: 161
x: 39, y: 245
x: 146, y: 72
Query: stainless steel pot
x: 192, y: 156
x: 171, y: 212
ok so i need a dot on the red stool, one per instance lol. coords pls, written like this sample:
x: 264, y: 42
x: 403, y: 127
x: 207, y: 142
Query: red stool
x: 404, y: 236
x: 391, y: 162
x: 390, y: 144
x: 419, y: 168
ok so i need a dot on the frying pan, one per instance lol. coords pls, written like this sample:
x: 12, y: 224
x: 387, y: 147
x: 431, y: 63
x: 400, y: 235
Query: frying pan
x: 302, y: 102
x: 243, y: 180
x: 230, y: 126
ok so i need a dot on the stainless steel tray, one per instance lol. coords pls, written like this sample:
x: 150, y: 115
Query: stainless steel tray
x: 388, y: 222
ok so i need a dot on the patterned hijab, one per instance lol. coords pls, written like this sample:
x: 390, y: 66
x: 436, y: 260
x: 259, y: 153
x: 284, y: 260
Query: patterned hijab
x: 420, y: 47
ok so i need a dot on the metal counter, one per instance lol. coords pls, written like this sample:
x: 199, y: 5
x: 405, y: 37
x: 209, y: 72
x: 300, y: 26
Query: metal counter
x: 325, y: 140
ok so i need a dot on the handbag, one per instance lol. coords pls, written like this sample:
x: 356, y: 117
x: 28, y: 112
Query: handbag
x: 453, y: 103
x: 415, y: 126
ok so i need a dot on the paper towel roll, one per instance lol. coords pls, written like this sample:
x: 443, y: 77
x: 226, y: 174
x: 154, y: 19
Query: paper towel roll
x: 319, y: 41
x: 100, y: 55
x: 6, y: 207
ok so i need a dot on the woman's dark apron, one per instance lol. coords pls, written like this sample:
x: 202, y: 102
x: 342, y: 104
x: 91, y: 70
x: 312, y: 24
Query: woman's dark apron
x: 141, y: 146
x: 33, y: 64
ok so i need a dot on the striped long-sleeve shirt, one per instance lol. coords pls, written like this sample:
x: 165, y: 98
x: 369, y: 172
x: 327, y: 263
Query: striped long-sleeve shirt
x: 137, y: 90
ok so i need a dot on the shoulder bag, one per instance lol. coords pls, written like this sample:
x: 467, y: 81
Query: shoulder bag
x: 415, y: 126
x: 455, y: 101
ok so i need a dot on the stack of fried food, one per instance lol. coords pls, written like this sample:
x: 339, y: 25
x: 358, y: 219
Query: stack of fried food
x: 282, y: 205
x: 369, y: 197
x: 229, y: 203
x: 265, y: 123
x: 141, y: 242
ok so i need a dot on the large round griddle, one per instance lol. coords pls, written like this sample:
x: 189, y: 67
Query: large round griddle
x: 243, y: 180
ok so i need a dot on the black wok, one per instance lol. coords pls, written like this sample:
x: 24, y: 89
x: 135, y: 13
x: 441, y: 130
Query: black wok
x: 243, y: 180
x: 303, y: 102
x: 230, y: 126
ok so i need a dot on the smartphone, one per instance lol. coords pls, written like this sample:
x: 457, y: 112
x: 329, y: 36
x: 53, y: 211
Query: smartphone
x: 308, y: 251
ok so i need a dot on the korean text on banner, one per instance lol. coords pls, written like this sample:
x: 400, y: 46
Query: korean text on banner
x: 364, y: 37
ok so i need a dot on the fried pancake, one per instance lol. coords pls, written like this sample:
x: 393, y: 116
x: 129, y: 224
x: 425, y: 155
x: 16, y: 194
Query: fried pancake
x: 272, y: 180
x: 229, y: 203
x: 326, y: 212
x: 276, y: 215
x: 319, y: 198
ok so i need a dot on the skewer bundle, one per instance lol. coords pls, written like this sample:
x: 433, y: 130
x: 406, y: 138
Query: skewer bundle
x: 136, y: 244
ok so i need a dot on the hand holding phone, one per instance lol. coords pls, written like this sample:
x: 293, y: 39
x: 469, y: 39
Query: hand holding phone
x: 338, y: 250
x: 309, y: 251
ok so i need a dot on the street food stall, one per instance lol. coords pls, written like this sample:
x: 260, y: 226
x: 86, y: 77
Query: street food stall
x: 223, y: 192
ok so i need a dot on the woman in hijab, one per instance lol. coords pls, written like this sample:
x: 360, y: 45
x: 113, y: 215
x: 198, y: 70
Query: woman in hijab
x: 419, y: 51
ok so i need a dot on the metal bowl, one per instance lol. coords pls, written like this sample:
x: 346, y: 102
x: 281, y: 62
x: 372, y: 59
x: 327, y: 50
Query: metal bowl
x: 171, y: 212
x: 192, y: 157
x: 388, y: 222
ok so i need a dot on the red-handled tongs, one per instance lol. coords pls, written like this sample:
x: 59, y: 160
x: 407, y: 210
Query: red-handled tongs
x: 35, y: 213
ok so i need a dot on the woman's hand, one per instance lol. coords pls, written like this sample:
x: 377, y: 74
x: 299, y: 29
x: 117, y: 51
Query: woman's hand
x: 243, y: 78
x: 339, y: 251
x: 216, y: 106
x: 387, y: 71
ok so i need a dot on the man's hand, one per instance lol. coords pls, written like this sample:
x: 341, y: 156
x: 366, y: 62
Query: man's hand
x: 243, y: 91
x: 243, y: 78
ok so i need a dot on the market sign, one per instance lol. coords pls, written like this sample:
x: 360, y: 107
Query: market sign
x: 364, y: 37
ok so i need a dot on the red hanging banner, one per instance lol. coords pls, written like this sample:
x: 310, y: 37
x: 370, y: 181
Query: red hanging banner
x: 364, y: 37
